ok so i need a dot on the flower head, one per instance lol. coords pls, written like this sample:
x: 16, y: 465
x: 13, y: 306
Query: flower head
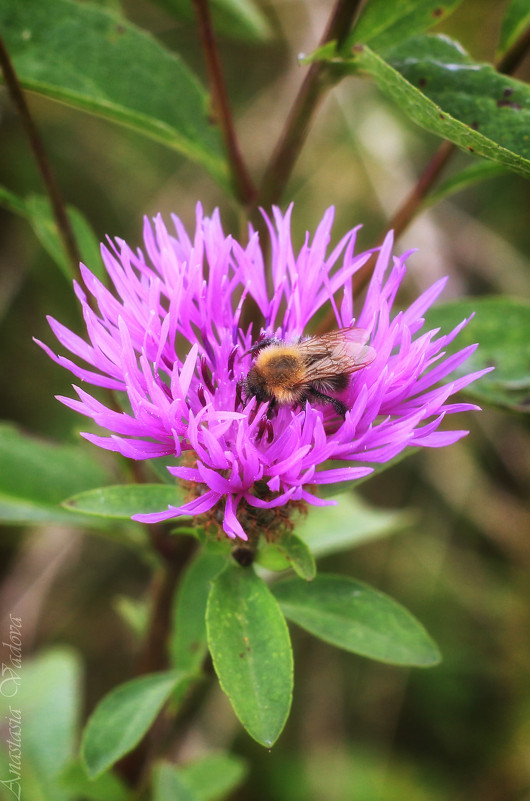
x: 170, y: 337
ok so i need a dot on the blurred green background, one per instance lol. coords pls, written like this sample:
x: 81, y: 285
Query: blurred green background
x: 359, y: 731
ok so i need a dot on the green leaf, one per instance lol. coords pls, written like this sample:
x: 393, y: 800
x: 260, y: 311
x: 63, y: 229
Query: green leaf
x: 123, y: 717
x: 43, y: 223
x: 235, y: 19
x: 357, y: 618
x: 168, y: 783
x: 188, y: 641
x: 501, y: 326
x: 35, y: 476
x: 289, y: 552
x: 331, y: 529
x: 12, y: 202
x: 46, y: 705
x: 214, y: 776
x: 159, y: 467
x: 516, y: 20
x: 382, y: 23
x: 209, y: 778
x: 36, y: 209
x: 475, y: 173
x: 134, y: 612
x: 251, y: 651
x: 332, y: 490
x: 106, y: 787
x: 121, y: 501
x: 494, y: 105
x: 469, y: 104
x: 94, y: 60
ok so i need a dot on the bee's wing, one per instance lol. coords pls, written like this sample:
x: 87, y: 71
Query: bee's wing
x: 342, y: 351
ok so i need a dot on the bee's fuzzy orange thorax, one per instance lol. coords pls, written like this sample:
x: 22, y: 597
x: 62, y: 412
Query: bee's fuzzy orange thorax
x: 282, y: 368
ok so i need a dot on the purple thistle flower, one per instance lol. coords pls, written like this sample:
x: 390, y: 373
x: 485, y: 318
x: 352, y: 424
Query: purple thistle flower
x: 170, y: 338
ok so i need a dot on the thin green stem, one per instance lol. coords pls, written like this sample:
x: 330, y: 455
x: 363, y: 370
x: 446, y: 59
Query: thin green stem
x: 515, y: 54
x: 30, y: 129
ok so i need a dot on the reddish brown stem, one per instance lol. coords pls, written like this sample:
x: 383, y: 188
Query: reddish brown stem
x: 245, y: 189
x: 175, y: 553
x: 318, y: 79
x: 410, y: 206
x: 413, y: 202
x: 30, y: 129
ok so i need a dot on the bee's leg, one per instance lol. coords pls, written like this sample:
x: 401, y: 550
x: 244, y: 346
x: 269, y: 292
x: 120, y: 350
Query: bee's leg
x: 241, y: 392
x: 262, y: 343
x: 339, y: 407
x: 272, y: 407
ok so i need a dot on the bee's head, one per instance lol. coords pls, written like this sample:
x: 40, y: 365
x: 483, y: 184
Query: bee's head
x: 255, y: 385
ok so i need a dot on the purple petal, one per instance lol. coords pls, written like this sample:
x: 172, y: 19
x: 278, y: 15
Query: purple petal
x: 184, y: 299
x: 196, y: 507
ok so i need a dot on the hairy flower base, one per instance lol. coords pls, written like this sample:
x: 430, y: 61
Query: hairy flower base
x: 169, y: 338
x: 270, y: 522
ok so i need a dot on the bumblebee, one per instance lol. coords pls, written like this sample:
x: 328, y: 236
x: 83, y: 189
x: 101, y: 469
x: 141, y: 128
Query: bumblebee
x: 292, y: 374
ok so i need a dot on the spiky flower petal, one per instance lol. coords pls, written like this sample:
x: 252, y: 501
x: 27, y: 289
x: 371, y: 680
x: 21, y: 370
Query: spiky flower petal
x: 169, y: 337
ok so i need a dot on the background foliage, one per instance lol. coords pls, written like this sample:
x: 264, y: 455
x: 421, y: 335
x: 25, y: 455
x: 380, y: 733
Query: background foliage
x: 444, y: 532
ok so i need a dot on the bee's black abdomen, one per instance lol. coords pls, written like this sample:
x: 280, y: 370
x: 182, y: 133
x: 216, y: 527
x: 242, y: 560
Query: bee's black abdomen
x: 340, y: 382
x: 333, y: 383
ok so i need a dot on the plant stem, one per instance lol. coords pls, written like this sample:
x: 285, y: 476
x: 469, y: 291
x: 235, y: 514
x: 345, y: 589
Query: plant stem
x: 244, y: 187
x: 319, y: 78
x: 515, y: 54
x: 30, y: 129
x: 175, y: 553
x: 412, y: 204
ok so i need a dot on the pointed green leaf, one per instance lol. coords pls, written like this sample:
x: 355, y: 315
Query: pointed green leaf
x: 170, y: 785
x: 214, y: 776
x: 475, y: 173
x: 12, y: 202
x: 43, y: 223
x: 123, y: 717
x: 492, y: 105
x: 107, y: 787
x: 134, y: 612
x: 357, y: 618
x: 121, y: 501
x: 501, y: 326
x: 289, y: 552
x: 332, y: 490
x: 516, y: 20
x: 188, y: 642
x: 46, y: 705
x: 331, y: 529
x: 35, y: 476
x: 209, y: 778
x: 382, y: 23
x: 436, y: 84
x: 159, y: 467
x: 95, y: 60
x: 251, y: 651
x: 36, y: 209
